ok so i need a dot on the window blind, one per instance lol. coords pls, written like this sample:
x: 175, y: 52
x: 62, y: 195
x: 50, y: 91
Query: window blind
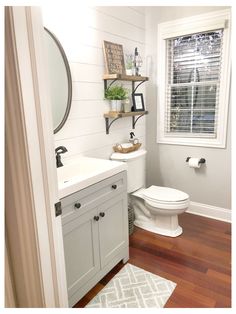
x: 193, y: 82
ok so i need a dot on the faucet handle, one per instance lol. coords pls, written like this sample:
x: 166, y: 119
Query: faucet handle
x: 61, y: 150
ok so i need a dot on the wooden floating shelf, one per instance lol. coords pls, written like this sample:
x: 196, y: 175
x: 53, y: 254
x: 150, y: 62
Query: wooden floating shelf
x: 114, y: 115
x: 117, y: 115
x: 124, y: 77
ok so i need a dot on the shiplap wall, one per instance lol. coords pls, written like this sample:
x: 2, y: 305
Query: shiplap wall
x: 81, y: 31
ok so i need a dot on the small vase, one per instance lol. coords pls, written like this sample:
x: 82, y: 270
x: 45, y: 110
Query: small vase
x: 128, y: 71
x: 126, y: 105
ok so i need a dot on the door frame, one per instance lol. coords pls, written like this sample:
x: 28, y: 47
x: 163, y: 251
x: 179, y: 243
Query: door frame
x: 33, y: 233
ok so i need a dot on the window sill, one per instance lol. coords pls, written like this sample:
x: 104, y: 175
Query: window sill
x: 192, y: 142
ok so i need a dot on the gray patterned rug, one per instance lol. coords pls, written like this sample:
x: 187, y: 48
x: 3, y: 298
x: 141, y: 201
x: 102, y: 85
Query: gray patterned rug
x: 134, y: 287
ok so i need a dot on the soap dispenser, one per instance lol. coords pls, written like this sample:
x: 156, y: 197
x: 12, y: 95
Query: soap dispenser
x: 133, y: 139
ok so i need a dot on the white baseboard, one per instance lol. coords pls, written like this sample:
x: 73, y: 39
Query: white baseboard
x: 210, y: 211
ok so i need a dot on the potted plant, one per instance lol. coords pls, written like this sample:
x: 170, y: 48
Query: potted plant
x: 129, y: 64
x: 116, y: 94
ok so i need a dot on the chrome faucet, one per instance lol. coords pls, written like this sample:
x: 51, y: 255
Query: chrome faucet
x: 60, y: 150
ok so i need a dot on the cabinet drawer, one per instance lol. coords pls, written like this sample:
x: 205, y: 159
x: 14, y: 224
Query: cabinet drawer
x: 78, y: 203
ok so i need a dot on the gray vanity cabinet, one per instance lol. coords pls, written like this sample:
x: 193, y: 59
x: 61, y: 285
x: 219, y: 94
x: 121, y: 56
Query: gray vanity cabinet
x: 95, y: 233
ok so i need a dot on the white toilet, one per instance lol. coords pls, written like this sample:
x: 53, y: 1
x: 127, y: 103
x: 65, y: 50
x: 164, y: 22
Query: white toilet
x: 156, y: 208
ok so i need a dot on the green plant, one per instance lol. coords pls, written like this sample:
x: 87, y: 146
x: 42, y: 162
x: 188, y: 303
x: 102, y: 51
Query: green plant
x: 117, y: 92
x: 129, y: 61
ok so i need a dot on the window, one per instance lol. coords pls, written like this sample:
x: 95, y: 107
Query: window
x: 194, y: 63
x: 194, y: 93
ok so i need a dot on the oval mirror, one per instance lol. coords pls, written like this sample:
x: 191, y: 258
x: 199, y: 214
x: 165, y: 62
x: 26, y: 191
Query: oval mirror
x: 60, y: 82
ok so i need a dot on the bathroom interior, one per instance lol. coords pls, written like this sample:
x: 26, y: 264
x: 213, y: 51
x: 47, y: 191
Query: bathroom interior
x: 124, y: 199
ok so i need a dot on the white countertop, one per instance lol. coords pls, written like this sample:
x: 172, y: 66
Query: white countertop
x: 84, y: 171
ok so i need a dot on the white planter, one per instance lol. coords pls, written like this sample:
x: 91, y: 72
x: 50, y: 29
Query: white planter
x: 115, y: 105
x: 129, y: 72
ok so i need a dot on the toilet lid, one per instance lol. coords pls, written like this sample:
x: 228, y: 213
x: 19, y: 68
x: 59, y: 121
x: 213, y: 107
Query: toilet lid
x: 164, y: 194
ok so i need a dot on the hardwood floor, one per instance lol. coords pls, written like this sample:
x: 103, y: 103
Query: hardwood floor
x: 199, y: 261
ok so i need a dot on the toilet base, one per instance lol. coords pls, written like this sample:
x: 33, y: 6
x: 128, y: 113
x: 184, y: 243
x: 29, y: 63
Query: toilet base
x: 151, y: 226
x: 170, y: 224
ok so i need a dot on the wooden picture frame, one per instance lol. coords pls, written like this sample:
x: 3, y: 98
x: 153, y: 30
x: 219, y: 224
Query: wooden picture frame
x: 138, y: 102
x: 114, y: 58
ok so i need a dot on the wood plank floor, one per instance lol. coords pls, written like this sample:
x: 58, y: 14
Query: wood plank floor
x: 199, y: 261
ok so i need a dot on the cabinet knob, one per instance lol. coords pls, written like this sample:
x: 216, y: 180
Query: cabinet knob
x: 114, y: 186
x: 96, y: 218
x: 77, y: 205
x: 102, y: 214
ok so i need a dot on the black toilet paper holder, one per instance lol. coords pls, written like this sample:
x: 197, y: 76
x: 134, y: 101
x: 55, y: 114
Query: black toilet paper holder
x: 201, y: 161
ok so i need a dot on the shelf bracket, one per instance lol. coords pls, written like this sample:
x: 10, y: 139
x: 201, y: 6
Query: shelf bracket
x: 134, y: 121
x: 106, y: 87
x: 108, y: 125
x: 135, y: 88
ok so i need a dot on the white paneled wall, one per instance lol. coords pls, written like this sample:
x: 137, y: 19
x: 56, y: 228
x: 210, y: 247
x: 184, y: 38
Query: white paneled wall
x: 81, y: 31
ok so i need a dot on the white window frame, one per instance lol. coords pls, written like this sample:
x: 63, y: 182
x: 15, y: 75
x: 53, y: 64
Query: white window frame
x: 186, y: 26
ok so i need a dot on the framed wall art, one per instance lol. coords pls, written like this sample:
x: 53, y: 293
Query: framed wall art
x: 138, y: 102
x: 114, y: 58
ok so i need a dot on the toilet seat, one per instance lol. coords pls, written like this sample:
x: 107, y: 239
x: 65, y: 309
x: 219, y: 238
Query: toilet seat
x: 167, y: 206
x: 164, y: 194
x: 164, y: 198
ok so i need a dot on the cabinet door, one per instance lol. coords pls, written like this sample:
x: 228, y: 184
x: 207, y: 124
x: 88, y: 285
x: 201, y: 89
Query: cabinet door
x: 81, y: 250
x: 113, y: 227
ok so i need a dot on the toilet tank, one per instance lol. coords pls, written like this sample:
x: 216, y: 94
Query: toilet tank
x: 136, y: 168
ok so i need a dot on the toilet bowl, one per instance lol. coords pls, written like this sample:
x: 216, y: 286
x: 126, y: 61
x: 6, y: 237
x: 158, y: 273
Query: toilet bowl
x: 156, y: 208
x: 162, y: 207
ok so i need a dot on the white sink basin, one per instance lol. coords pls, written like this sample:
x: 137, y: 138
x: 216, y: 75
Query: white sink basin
x: 84, y: 171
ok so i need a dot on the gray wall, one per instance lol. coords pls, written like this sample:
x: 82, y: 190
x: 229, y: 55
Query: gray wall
x: 166, y: 164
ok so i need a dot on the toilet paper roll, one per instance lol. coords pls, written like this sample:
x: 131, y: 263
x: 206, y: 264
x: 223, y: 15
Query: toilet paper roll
x: 194, y: 163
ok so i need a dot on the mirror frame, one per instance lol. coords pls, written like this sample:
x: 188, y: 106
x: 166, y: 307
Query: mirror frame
x: 69, y: 80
